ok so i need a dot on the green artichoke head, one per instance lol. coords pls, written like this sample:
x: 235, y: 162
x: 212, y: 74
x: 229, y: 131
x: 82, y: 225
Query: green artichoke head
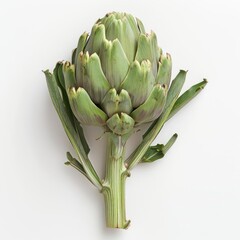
x: 118, y: 77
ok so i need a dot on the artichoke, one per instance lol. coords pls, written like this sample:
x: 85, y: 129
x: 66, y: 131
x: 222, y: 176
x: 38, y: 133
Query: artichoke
x: 118, y: 79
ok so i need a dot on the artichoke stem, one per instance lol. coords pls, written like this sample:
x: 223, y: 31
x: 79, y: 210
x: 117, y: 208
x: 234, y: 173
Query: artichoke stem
x: 114, y: 183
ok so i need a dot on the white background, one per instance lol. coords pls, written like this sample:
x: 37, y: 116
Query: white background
x: 193, y: 193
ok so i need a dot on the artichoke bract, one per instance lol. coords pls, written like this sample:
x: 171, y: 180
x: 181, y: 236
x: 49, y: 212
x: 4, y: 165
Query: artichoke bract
x: 118, y: 79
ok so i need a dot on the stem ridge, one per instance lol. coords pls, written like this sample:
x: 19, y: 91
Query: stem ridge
x: 114, y: 183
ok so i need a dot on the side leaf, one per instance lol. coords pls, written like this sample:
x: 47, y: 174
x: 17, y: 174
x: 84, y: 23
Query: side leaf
x: 156, y: 127
x: 158, y: 151
x: 74, y: 52
x: 79, y: 130
x: 58, y: 74
x: 60, y: 81
x: 69, y: 128
x: 76, y: 164
x: 187, y: 96
x: 173, y: 93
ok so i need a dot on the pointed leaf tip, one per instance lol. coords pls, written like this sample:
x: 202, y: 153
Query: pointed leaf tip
x: 187, y: 96
x: 152, y: 107
x: 84, y: 108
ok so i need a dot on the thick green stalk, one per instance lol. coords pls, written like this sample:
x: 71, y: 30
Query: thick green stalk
x: 114, y: 183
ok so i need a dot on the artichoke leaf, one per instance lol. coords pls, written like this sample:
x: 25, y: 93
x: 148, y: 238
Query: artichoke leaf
x: 164, y: 70
x: 175, y: 89
x: 114, y: 62
x: 81, y: 44
x: 60, y: 106
x: 81, y: 135
x: 139, y: 82
x: 157, y: 125
x: 140, y: 26
x: 79, y: 69
x: 58, y: 72
x: 107, y: 20
x: 187, y: 96
x: 76, y: 164
x: 172, y: 95
x: 133, y: 25
x: 119, y: 29
x: 68, y: 70
x: 94, y: 80
x: 148, y: 50
x: 116, y: 103
x: 74, y: 53
x: 96, y: 39
x: 152, y: 107
x: 120, y: 124
x: 158, y: 151
x: 84, y: 109
x: 69, y: 128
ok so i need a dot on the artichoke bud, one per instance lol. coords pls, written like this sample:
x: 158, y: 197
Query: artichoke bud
x: 68, y: 70
x: 84, y: 109
x: 164, y: 70
x: 114, y: 62
x: 120, y: 124
x: 152, y: 107
x: 116, y: 103
x: 139, y: 82
x: 121, y: 74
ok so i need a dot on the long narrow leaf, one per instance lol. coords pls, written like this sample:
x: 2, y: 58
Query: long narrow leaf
x: 173, y: 93
x: 154, y: 129
x: 69, y: 129
x: 79, y: 130
x: 60, y: 81
x: 187, y: 96
x: 57, y: 72
x: 76, y: 164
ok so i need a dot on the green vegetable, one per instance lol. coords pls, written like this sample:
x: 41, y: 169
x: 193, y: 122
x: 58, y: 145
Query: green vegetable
x: 118, y: 79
